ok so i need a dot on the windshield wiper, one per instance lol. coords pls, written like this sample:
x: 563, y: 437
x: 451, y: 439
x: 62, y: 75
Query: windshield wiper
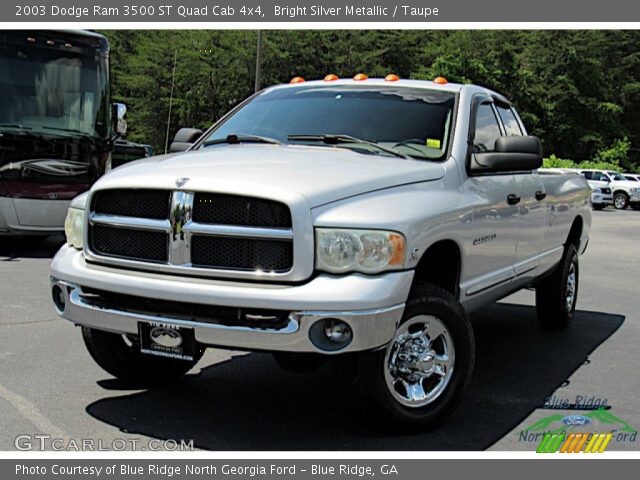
x: 72, y: 130
x: 241, y: 138
x: 341, y: 139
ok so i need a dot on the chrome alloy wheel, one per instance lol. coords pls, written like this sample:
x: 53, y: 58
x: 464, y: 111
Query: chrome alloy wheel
x: 419, y: 361
x: 570, y: 293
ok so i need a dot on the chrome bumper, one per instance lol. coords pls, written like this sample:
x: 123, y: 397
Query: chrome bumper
x: 371, y: 306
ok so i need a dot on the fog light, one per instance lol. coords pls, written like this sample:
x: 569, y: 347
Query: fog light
x: 330, y: 334
x: 337, y: 331
x: 59, y: 298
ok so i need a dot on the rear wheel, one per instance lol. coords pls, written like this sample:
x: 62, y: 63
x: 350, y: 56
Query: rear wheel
x: 120, y: 356
x: 419, y: 378
x: 556, y: 295
x: 620, y: 201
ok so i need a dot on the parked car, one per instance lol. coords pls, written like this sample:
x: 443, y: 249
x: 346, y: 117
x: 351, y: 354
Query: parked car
x: 632, y: 177
x: 624, y: 192
x: 601, y: 197
x: 354, y: 221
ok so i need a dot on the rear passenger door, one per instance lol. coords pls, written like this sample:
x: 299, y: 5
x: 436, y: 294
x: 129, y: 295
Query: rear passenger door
x: 532, y: 209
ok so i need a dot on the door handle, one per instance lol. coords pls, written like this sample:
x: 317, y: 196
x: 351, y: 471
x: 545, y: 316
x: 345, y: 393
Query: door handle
x: 513, y: 199
x: 540, y: 195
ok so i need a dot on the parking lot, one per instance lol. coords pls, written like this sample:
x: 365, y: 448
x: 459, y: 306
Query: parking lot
x: 237, y: 401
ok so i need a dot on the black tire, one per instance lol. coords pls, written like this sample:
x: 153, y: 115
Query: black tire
x: 552, y: 303
x: 635, y: 206
x: 299, y: 362
x: 599, y: 206
x: 620, y: 201
x: 123, y: 359
x: 370, y: 368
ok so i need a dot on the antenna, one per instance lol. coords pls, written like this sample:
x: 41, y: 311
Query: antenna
x: 258, y: 61
x: 173, y: 78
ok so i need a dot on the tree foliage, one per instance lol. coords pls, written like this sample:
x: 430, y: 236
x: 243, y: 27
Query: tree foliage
x: 579, y: 91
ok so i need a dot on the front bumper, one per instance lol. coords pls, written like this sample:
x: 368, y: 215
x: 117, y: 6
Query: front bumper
x: 601, y: 199
x: 372, y: 306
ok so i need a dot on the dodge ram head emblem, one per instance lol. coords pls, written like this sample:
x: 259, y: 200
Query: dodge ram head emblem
x: 181, y: 181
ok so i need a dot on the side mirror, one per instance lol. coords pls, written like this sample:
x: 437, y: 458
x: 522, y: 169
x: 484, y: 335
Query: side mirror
x: 119, y: 110
x: 511, y: 154
x: 184, y: 139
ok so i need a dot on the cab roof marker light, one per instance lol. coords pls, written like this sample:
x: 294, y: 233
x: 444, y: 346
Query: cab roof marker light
x: 297, y: 80
x: 331, y: 78
x: 440, y: 80
x: 360, y: 77
x: 392, y: 77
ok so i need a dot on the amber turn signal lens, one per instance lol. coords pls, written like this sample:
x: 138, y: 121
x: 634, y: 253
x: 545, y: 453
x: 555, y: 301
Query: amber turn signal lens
x: 360, y: 76
x: 297, y: 80
x: 398, y: 249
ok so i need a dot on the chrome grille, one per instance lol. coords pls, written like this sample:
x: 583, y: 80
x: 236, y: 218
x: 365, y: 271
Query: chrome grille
x: 196, y: 231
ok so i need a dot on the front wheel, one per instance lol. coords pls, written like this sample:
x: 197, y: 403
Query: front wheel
x: 419, y: 378
x: 120, y: 356
x: 620, y: 201
x: 556, y: 295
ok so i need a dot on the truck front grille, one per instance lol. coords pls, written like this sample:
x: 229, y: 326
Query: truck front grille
x: 153, y: 204
x: 235, y: 253
x: 223, y: 209
x: 192, y: 230
x: 605, y: 190
x: 129, y: 243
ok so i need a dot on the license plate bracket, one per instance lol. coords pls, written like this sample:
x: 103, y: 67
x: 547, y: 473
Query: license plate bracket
x: 166, y: 340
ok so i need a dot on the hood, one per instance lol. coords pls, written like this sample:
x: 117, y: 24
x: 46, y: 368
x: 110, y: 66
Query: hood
x: 625, y: 184
x: 318, y: 174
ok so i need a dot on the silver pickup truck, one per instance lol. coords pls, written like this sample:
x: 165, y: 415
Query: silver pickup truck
x: 353, y: 221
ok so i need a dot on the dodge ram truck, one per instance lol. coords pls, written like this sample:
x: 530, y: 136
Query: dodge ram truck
x: 357, y: 221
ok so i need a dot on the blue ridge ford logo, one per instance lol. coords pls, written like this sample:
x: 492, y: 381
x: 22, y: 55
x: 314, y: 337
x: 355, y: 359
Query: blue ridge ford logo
x: 166, y: 337
x: 576, y: 420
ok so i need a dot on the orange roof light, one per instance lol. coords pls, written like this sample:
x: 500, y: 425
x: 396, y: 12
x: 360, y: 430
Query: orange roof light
x: 331, y: 78
x: 360, y: 76
x: 297, y: 80
x: 392, y: 77
x: 440, y: 80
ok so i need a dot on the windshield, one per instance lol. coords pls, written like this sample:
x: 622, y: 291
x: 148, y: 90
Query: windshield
x: 617, y: 176
x: 53, y: 86
x: 415, y: 122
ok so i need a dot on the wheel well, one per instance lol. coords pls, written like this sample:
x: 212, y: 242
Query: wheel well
x: 621, y: 191
x: 575, y: 233
x: 440, y: 266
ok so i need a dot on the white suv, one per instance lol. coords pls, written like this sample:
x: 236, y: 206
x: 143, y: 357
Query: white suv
x: 625, y: 192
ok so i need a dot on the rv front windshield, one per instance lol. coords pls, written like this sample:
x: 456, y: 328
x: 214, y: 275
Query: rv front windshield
x: 53, y: 87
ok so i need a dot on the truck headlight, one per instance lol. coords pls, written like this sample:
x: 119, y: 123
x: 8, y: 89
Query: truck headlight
x: 368, y: 251
x: 74, y: 227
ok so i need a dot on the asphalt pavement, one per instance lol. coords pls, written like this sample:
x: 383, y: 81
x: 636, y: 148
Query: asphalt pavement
x: 527, y: 380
